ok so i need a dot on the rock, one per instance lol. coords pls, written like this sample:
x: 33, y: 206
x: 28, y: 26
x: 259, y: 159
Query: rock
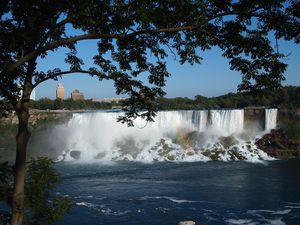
x: 171, y: 157
x: 100, y: 155
x: 227, y: 141
x: 129, y: 146
x: 164, y: 148
x: 235, y: 155
x: 75, y: 154
x: 190, y: 222
x: 278, y: 145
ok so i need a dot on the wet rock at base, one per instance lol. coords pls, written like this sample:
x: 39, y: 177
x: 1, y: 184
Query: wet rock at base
x: 227, y: 142
x: 75, y: 154
x: 129, y: 146
x: 100, y: 155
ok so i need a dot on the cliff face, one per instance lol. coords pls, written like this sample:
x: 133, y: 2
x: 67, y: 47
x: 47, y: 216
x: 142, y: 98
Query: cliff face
x: 254, y: 117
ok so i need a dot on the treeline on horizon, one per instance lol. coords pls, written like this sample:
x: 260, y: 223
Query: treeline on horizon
x: 69, y: 104
x: 287, y: 97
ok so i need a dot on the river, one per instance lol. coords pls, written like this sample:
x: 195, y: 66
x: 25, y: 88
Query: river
x: 167, y: 192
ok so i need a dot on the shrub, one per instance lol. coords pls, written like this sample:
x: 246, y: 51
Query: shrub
x: 41, y: 206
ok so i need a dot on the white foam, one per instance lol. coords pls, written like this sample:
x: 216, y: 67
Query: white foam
x: 292, y: 207
x: 240, y: 222
x: 277, y: 221
x: 170, y: 138
x: 172, y: 199
x: 273, y: 212
x: 293, y: 203
x: 86, y: 204
x: 102, y: 209
x: 283, y: 212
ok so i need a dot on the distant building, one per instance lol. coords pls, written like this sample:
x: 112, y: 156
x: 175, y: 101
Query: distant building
x: 76, y: 95
x: 108, y: 100
x: 96, y: 100
x: 60, y: 91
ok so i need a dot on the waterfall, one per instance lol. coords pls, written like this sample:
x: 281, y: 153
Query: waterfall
x: 271, y: 119
x: 227, y: 121
x: 174, y: 135
x: 200, y: 119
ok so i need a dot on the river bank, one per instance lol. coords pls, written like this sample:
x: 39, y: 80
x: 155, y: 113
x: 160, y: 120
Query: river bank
x: 39, y: 116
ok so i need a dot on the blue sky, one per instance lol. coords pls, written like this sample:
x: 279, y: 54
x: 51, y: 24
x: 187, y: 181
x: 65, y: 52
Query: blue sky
x: 210, y: 78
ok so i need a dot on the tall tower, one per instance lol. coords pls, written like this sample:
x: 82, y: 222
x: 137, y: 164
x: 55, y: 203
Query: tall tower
x: 60, y: 91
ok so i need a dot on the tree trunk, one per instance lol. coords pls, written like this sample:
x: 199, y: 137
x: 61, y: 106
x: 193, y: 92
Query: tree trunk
x: 22, y: 139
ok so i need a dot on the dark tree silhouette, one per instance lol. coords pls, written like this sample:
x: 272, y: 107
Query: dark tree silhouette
x: 129, y: 33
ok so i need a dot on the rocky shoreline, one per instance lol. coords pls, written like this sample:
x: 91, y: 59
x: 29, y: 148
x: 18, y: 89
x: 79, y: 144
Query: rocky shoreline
x: 40, y: 116
x: 278, y: 145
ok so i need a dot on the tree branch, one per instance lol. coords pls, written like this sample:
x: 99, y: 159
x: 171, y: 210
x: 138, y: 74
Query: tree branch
x: 92, y: 36
x: 54, y: 75
x: 59, y: 25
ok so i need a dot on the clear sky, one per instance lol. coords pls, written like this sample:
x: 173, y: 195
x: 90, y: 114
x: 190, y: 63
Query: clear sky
x: 210, y: 78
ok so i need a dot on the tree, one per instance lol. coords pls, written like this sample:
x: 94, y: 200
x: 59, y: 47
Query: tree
x: 58, y: 103
x: 41, y: 180
x: 134, y: 38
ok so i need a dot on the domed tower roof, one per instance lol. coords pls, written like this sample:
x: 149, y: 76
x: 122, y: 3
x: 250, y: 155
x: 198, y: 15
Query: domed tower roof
x: 59, y: 84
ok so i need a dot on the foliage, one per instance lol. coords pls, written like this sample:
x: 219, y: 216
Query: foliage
x: 286, y: 97
x: 134, y: 38
x: 5, y: 182
x: 46, y: 103
x: 7, y: 139
x: 5, y: 108
x: 293, y: 131
x: 41, y: 180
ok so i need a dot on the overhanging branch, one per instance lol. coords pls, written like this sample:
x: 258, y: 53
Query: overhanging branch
x: 74, y: 39
x: 92, y: 36
x: 55, y: 75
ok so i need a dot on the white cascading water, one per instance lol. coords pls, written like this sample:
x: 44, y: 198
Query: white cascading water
x: 200, y: 120
x: 271, y: 119
x: 175, y: 135
x: 227, y: 122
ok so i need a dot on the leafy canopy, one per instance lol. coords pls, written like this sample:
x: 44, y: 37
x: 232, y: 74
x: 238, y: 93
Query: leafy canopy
x: 135, y: 37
